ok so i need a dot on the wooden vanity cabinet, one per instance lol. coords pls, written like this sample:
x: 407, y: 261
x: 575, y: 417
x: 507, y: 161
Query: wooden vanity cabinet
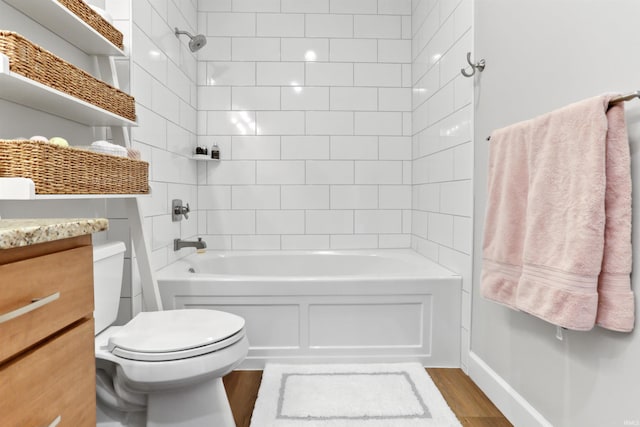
x: 47, y: 362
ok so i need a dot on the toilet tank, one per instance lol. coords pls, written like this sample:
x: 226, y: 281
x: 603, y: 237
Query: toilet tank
x: 108, y: 260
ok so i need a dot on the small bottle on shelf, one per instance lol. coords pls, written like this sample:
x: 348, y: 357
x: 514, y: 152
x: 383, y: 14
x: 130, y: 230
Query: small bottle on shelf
x: 202, y: 151
x: 215, y: 152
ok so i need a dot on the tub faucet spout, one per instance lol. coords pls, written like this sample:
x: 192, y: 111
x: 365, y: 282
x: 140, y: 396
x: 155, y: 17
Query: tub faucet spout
x: 179, y: 244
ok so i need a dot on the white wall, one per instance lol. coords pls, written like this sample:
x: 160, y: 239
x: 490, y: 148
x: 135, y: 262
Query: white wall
x: 542, y: 55
x: 315, y: 149
x: 442, y: 149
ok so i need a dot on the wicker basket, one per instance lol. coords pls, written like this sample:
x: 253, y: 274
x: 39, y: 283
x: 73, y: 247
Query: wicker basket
x: 62, y: 170
x: 38, y: 64
x: 91, y: 17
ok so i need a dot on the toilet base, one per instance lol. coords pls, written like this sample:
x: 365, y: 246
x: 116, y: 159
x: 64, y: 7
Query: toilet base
x: 175, y: 393
x: 107, y: 417
x: 198, y: 405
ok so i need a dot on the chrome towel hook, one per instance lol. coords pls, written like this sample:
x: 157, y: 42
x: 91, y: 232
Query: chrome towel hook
x: 477, y: 66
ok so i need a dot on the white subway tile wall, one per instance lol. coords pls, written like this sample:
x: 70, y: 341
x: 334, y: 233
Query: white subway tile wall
x: 163, y: 76
x: 310, y: 102
x: 442, y: 151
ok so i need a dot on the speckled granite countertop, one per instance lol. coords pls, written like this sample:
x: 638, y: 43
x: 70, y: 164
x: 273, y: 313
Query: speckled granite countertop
x: 24, y: 232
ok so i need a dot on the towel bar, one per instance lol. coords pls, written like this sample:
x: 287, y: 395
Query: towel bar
x: 617, y: 99
x: 623, y: 98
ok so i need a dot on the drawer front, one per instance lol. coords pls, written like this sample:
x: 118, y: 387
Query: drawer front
x: 40, y: 296
x: 56, y: 379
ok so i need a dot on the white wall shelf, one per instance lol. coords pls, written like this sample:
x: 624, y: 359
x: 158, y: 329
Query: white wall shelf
x: 21, y: 90
x: 60, y: 20
x: 87, y: 196
x: 24, y: 189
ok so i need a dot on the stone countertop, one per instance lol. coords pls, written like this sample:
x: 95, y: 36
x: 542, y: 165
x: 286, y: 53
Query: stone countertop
x: 24, y: 232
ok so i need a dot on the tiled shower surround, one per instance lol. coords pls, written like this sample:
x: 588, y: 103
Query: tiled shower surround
x: 310, y: 104
x: 341, y: 124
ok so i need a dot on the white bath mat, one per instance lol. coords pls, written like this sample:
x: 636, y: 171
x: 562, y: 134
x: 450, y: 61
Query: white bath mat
x: 371, y: 395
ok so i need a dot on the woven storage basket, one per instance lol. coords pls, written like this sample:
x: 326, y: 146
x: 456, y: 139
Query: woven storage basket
x: 38, y: 64
x: 91, y: 17
x: 62, y: 170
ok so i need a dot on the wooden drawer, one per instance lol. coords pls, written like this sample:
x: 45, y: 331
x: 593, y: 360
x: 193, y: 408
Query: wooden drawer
x: 54, y: 379
x: 65, y: 278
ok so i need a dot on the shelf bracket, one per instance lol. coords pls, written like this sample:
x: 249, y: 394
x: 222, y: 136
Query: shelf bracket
x: 150, y: 291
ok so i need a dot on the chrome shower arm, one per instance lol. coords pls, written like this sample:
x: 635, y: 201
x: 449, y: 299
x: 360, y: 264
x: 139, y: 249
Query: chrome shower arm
x: 177, y: 32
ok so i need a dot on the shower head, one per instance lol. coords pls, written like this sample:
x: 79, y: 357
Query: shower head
x: 196, y: 43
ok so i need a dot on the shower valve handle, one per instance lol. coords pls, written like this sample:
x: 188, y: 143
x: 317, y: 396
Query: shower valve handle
x: 183, y: 210
x: 179, y: 211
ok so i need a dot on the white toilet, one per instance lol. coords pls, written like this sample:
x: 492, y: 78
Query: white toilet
x: 163, y: 368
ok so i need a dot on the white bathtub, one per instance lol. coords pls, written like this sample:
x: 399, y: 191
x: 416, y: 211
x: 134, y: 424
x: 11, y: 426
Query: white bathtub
x: 326, y: 306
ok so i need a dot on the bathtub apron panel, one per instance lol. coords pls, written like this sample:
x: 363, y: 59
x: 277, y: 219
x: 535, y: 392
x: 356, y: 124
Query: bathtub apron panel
x: 324, y: 307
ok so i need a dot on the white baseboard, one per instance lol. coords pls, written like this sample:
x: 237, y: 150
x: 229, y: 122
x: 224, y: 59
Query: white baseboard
x: 514, y: 407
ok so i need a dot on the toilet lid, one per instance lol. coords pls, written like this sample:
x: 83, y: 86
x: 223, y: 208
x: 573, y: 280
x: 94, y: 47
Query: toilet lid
x: 175, y: 334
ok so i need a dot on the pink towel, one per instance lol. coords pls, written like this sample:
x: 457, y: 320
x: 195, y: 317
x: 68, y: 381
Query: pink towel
x: 557, y: 240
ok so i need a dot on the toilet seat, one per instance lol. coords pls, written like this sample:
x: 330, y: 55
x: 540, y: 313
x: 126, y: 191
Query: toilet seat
x: 147, y: 376
x: 175, y: 334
